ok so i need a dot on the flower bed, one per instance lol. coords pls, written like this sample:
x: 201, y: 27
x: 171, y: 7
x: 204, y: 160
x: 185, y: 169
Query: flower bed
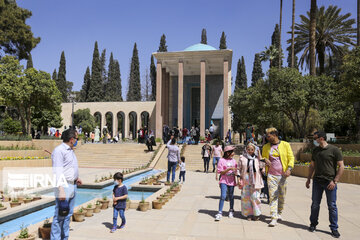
x: 22, y: 158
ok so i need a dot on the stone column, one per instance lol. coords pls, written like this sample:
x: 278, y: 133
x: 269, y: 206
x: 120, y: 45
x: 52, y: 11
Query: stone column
x: 202, y: 98
x: 171, y: 103
x: 158, y: 132
x: 226, y: 99
x: 126, y: 125
x: 103, y: 122
x: 114, y: 125
x: 180, y: 95
x: 138, y: 122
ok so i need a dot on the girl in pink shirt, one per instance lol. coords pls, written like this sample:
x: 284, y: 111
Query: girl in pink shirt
x: 227, y: 169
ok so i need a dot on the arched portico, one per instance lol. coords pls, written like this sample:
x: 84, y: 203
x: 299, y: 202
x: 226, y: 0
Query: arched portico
x: 145, y: 119
x: 120, y: 124
x: 97, y: 116
x: 133, y: 124
x: 109, y: 122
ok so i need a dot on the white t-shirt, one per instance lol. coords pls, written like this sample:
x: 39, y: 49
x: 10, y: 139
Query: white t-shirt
x: 182, y: 166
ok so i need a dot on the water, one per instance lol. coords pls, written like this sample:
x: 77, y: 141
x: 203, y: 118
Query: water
x: 82, y: 196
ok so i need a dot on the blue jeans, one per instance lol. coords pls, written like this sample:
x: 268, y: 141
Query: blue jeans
x: 60, y: 225
x: 120, y: 212
x: 317, y: 192
x: 171, y: 168
x: 226, y: 190
x: 182, y: 174
x: 215, y: 161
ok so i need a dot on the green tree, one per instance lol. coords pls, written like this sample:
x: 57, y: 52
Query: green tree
x: 153, y: 78
x: 257, y: 72
x: 290, y: 61
x: 54, y: 75
x: 243, y: 77
x: 118, y: 85
x: 275, y: 41
x: 269, y: 54
x: 110, y: 84
x: 162, y: 46
x: 29, y: 63
x: 10, y: 126
x: 86, y: 85
x: 96, y: 86
x: 27, y: 90
x: 61, y: 78
x: 134, y: 91
x: 350, y: 80
x: 334, y: 31
x: 16, y: 37
x: 83, y: 118
x: 223, y: 41
x: 203, y: 36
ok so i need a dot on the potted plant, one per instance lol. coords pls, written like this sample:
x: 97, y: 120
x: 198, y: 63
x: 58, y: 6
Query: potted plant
x: 97, y: 207
x: 44, y: 231
x: 24, y: 234
x: 89, y: 210
x: 143, y: 181
x: 143, y: 206
x: 105, y: 202
x: 127, y: 203
x: 2, y: 207
x: 167, y: 183
x: 36, y: 197
x: 157, y: 204
x: 27, y: 199
x: 20, y: 197
x: 15, y: 202
x: 6, y: 197
x: 79, y: 215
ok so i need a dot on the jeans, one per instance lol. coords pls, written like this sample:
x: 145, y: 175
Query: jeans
x: 61, y: 225
x: 171, y: 168
x: 215, y: 161
x: 317, y: 192
x: 120, y: 212
x: 226, y: 190
x: 182, y: 174
x: 206, y: 164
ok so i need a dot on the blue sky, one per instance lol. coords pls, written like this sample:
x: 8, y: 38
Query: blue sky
x: 74, y: 26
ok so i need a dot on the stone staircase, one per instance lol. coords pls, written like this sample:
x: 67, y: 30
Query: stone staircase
x: 193, y: 158
x: 124, y: 155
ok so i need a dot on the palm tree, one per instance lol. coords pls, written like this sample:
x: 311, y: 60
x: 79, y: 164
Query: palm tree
x: 312, y: 37
x: 293, y: 36
x: 333, y: 32
x: 280, y: 25
x: 269, y: 54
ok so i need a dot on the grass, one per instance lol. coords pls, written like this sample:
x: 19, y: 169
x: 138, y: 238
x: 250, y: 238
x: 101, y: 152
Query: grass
x: 15, y: 138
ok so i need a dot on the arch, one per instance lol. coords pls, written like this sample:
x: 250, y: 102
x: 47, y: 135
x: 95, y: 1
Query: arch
x: 133, y: 124
x: 109, y: 119
x: 121, y: 124
x: 98, y: 117
x: 145, y: 119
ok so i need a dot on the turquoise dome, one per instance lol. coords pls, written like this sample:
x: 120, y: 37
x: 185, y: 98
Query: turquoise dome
x: 200, y: 47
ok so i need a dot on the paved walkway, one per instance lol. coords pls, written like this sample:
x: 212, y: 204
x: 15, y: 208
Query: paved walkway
x: 190, y: 215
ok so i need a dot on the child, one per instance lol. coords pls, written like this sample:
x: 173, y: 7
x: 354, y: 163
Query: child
x: 251, y: 183
x: 120, y: 194
x: 182, y: 169
x: 227, y: 168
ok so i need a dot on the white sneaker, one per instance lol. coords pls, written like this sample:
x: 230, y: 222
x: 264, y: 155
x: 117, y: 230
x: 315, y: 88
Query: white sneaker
x: 273, y: 223
x: 218, y: 217
x: 279, y: 218
x: 231, y: 214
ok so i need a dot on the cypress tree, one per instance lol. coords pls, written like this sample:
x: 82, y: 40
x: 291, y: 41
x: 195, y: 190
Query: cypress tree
x: 54, y: 75
x: 153, y: 79
x: 223, y: 41
x: 109, y: 85
x: 29, y: 63
x: 257, y: 72
x: 96, y: 87
x: 134, y: 91
x: 117, y: 79
x: 86, y: 85
x: 103, y: 71
x: 243, y: 77
x: 61, y: 78
x: 162, y: 46
x: 275, y: 40
x: 296, y: 60
x: 203, y: 36
x: 238, y: 73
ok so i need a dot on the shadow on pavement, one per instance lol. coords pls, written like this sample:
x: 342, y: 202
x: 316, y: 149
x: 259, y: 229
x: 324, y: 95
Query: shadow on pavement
x: 218, y: 197
x: 108, y: 225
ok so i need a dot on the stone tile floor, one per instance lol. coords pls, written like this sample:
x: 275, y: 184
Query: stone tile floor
x: 190, y: 215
